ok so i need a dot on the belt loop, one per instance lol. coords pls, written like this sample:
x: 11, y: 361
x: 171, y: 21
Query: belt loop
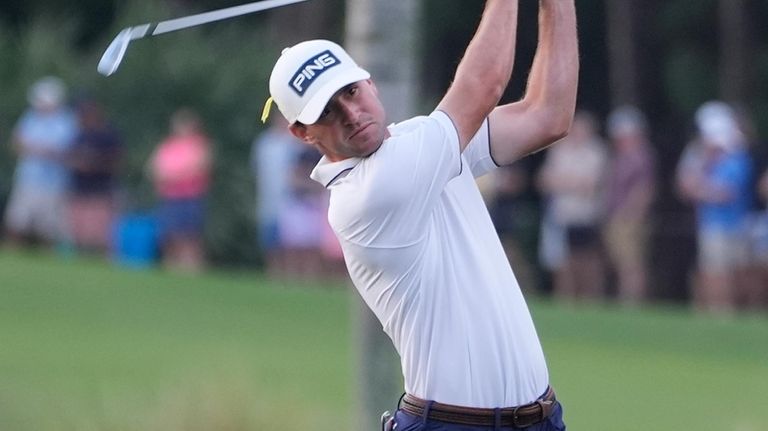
x: 425, y: 416
x: 400, y: 401
x: 497, y: 419
x: 542, y: 409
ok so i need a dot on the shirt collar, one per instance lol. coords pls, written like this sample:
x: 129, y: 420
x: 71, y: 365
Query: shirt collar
x: 326, y: 171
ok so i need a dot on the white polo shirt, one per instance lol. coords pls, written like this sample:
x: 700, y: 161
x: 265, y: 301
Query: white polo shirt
x: 422, y: 251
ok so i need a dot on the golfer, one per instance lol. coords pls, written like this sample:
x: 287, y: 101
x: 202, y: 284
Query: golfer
x: 417, y: 239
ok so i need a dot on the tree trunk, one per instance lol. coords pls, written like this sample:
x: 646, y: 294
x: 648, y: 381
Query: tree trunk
x: 311, y: 20
x: 622, y: 52
x: 380, y: 35
x: 734, y: 48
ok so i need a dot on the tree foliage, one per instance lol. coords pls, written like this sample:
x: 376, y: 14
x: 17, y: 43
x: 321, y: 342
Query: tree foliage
x: 219, y: 70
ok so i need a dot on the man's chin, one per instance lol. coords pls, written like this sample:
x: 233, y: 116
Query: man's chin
x: 369, y: 148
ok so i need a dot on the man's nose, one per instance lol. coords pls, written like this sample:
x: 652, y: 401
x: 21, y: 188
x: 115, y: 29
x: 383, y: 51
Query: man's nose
x: 350, y: 111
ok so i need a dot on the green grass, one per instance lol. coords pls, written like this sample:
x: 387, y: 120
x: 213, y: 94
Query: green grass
x: 660, y: 369
x: 85, y: 346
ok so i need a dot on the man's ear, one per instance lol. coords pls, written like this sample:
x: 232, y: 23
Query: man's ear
x: 300, y: 131
x: 373, y: 86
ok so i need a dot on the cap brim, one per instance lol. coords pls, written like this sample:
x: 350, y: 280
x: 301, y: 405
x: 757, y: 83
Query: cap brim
x: 315, y: 106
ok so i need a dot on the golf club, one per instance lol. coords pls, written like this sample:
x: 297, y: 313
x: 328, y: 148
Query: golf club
x: 112, y: 57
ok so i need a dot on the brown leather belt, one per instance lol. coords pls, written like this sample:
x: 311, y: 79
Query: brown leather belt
x: 519, y: 417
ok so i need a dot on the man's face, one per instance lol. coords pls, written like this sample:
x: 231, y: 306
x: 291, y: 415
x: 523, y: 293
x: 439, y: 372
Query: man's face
x: 352, y: 124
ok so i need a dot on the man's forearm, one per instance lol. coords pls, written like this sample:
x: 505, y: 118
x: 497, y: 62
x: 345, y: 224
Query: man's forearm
x: 553, y: 80
x: 484, y: 71
x: 545, y: 113
x: 491, y: 52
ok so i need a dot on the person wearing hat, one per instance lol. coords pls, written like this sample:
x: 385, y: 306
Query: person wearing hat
x: 416, y: 236
x: 631, y: 187
x: 41, y: 139
x: 715, y: 175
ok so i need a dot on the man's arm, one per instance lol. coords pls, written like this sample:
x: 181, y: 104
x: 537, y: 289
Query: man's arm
x: 22, y: 148
x: 545, y: 113
x: 484, y: 72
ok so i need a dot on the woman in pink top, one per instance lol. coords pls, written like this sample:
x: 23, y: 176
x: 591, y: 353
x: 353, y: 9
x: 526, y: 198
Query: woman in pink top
x: 181, y: 170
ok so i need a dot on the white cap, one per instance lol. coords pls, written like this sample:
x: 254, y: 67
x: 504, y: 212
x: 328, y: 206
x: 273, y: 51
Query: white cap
x: 47, y: 92
x: 718, y: 126
x: 626, y: 119
x: 307, y: 75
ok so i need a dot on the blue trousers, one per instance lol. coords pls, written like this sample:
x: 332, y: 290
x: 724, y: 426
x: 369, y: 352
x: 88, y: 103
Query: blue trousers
x: 407, y: 422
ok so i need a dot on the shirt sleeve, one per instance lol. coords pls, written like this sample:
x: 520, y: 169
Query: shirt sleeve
x: 424, y: 154
x: 478, y: 152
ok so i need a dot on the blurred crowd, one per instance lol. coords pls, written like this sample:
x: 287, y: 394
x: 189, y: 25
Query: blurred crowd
x: 66, y: 194
x: 597, y: 193
x: 293, y: 231
x: 66, y: 191
x: 577, y: 222
x: 64, y: 184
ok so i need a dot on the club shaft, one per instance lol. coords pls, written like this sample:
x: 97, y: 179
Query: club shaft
x: 216, y: 15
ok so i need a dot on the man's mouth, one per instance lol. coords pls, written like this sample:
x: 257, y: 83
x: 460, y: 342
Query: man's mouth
x: 360, y: 129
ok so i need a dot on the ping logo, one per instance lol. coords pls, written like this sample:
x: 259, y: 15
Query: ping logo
x: 311, y: 70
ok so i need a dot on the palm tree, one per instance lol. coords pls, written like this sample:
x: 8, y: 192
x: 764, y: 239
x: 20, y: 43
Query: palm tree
x: 734, y: 39
x: 380, y: 35
x: 310, y: 20
x: 622, y: 51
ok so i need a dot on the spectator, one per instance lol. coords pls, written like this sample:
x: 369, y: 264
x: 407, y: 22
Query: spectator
x: 760, y: 248
x: 753, y: 286
x: 552, y: 245
x: 41, y: 140
x: 570, y: 180
x: 301, y: 224
x: 181, y: 171
x: 511, y: 209
x: 630, y: 190
x: 715, y: 175
x: 273, y: 157
x: 94, y: 160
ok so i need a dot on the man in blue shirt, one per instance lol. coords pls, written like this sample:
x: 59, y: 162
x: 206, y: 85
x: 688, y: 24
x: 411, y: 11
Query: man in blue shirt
x: 41, y: 140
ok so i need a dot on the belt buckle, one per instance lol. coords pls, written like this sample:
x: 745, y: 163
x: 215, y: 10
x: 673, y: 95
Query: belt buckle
x: 387, y: 421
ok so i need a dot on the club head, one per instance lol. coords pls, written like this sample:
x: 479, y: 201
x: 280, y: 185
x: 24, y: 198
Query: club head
x: 112, y: 57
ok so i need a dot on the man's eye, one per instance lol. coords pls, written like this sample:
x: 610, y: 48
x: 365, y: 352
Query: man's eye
x: 353, y: 90
x: 325, y: 113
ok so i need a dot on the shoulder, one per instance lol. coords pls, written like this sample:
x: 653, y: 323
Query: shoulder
x: 66, y: 117
x: 437, y: 123
x: 114, y: 135
x: 420, y: 143
x: 648, y: 153
x: 69, y: 114
x: 108, y: 137
x: 596, y: 152
x: 28, y: 118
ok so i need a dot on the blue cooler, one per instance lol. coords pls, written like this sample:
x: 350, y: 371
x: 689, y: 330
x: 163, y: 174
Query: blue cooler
x: 136, y: 240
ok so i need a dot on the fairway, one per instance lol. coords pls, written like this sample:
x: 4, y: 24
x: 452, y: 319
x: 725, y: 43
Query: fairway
x: 86, y: 346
